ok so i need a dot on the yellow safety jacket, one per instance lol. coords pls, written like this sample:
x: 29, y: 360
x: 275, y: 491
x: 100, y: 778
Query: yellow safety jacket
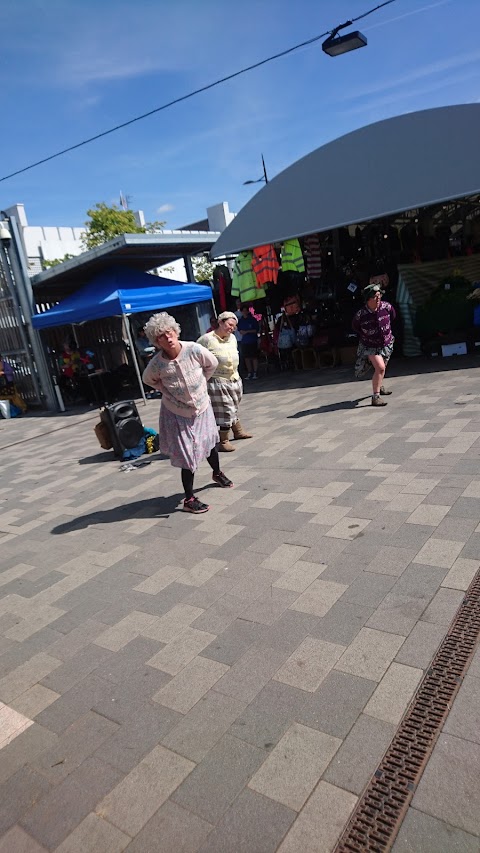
x: 292, y: 257
x: 244, y: 282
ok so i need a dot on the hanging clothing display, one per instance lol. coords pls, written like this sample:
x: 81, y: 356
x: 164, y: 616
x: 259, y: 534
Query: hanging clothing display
x: 314, y: 256
x: 292, y: 257
x: 265, y: 264
x: 244, y: 282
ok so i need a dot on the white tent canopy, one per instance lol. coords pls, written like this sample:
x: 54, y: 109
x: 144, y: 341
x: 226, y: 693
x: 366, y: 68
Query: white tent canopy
x: 398, y: 164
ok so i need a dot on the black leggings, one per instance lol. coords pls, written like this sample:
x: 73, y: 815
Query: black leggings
x: 188, y: 476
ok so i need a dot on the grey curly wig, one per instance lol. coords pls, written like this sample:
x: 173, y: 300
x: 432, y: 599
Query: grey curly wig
x: 159, y: 324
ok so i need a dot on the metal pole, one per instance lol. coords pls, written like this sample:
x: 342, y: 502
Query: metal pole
x: 134, y: 357
x: 264, y: 170
x: 27, y: 303
x: 189, y: 269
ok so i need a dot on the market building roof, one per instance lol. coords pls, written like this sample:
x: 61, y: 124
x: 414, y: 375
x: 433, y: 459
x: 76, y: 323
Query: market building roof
x: 137, y: 251
x: 398, y: 164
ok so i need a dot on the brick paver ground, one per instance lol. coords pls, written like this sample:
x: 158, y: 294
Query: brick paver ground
x: 228, y: 683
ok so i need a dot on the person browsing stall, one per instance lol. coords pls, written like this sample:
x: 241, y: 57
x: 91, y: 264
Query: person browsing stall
x: 248, y: 328
x: 188, y: 433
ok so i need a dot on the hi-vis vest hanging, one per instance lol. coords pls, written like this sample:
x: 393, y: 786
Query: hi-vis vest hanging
x: 265, y: 264
x: 292, y: 257
x: 244, y: 282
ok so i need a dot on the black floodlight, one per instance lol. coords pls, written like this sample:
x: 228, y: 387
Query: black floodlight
x: 336, y: 45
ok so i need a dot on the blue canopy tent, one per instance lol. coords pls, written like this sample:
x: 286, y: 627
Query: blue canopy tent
x: 120, y: 291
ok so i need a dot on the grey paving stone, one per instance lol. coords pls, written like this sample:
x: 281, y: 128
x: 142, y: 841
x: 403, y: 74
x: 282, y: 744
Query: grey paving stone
x: 443, y: 606
x: 65, y: 806
x: 199, y: 730
x: 137, y: 735
x: 345, y: 568
x: 360, y: 753
x: 368, y: 590
x: 94, y: 834
x: 463, y: 720
x: 453, y: 797
x: 232, y: 643
x: 254, y: 824
x: 18, y: 794
x: 270, y: 714
x: 421, y: 644
x: 288, y: 631
x: 471, y: 550
x: 172, y: 829
x: 126, y: 662
x: 19, y: 841
x: 130, y: 696
x: 71, y: 672
x: 443, y: 495
x: 421, y: 832
x: 77, y: 743
x: 77, y: 701
x: 460, y: 528
x: 464, y: 508
x: 24, y: 748
x: 337, y: 703
x: 342, y: 623
x: 403, y: 606
x: 214, y: 784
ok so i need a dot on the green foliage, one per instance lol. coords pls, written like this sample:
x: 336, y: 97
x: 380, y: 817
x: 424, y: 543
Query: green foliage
x: 202, y: 269
x: 106, y: 222
x: 446, y: 310
x: 47, y: 264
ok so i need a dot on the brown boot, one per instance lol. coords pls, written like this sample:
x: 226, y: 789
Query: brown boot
x: 384, y: 391
x: 224, y: 442
x: 239, y: 432
x: 376, y: 401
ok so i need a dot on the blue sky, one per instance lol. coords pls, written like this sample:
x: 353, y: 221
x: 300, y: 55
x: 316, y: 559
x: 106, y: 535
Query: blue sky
x: 70, y: 70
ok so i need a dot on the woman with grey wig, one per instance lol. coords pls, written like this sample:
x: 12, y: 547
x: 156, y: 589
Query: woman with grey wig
x: 187, y: 431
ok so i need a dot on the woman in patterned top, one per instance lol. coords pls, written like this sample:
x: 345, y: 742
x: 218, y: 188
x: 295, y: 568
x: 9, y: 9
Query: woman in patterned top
x: 373, y: 326
x: 225, y: 386
x: 187, y: 430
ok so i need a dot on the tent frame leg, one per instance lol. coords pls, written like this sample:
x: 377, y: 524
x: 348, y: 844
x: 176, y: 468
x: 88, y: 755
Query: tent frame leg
x: 134, y: 357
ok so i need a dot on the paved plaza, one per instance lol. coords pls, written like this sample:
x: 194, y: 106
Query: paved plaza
x: 228, y: 683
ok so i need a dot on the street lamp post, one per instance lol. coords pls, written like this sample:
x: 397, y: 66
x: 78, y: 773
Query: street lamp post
x: 264, y: 177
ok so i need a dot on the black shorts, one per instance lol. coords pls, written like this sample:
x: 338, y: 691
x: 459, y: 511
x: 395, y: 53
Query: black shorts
x: 250, y: 350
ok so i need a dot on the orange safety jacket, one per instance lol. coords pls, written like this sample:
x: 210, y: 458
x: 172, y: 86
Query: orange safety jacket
x: 265, y: 264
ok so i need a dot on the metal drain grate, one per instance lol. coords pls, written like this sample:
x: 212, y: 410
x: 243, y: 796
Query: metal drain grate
x: 379, y: 813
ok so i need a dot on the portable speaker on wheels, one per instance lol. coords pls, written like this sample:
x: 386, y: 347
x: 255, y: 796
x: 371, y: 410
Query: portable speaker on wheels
x: 124, y: 425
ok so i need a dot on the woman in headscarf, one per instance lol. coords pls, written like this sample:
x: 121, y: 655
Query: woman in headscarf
x: 187, y: 432
x: 225, y: 386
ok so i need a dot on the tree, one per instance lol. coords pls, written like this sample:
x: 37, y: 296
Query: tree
x: 107, y: 222
x: 54, y: 263
x: 202, y: 269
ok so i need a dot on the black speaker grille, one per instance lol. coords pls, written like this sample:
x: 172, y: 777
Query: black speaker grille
x: 129, y: 432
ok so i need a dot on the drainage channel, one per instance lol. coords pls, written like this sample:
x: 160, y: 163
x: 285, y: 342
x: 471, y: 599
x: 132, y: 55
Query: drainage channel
x: 379, y: 813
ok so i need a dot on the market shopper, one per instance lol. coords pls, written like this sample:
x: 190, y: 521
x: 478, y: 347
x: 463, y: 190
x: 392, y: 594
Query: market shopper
x: 373, y: 326
x: 248, y: 328
x: 225, y: 386
x: 187, y: 432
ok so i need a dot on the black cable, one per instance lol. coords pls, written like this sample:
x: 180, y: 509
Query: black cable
x: 192, y: 94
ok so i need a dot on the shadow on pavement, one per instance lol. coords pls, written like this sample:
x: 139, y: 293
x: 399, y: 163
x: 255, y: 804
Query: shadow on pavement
x: 152, y: 508
x: 331, y: 407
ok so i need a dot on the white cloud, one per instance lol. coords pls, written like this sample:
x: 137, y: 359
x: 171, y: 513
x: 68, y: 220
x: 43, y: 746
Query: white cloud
x: 165, y: 208
x: 442, y: 66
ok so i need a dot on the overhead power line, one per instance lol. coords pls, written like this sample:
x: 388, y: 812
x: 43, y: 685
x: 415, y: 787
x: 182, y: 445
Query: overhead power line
x: 195, y: 92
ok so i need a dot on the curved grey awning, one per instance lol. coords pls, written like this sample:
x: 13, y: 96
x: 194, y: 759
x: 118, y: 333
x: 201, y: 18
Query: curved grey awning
x: 398, y: 164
